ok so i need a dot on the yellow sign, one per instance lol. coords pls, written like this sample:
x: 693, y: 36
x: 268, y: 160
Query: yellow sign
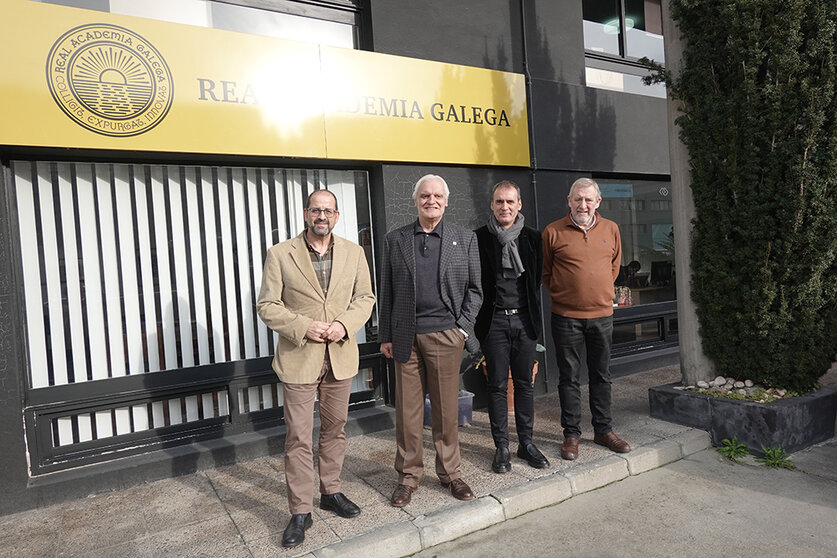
x: 85, y: 79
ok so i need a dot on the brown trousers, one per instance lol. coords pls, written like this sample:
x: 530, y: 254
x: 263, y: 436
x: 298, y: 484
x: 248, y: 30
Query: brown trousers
x: 433, y: 368
x: 299, y: 421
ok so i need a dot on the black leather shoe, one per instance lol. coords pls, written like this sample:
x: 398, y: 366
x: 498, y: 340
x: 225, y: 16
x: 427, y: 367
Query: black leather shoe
x: 339, y: 504
x: 532, y: 456
x: 502, y: 460
x: 294, y: 533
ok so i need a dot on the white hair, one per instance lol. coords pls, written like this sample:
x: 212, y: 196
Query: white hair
x: 584, y: 182
x: 427, y: 177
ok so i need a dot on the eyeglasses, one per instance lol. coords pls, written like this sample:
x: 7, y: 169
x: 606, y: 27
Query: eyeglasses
x: 317, y: 211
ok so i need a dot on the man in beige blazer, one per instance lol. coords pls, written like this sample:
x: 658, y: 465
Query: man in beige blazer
x: 316, y: 294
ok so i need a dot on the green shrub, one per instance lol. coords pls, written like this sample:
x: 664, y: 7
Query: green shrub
x: 757, y: 94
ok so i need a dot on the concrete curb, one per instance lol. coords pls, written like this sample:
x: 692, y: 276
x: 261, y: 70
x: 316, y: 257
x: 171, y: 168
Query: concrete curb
x: 650, y: 457
x: 597, y: 474
x: 389, y: 541
x: 692, y: 441
x: 536, y: 494
x: 403, y: 539
x: 454, y: 522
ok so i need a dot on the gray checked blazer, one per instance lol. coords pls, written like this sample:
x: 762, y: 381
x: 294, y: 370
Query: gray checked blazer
x: 459, y: 274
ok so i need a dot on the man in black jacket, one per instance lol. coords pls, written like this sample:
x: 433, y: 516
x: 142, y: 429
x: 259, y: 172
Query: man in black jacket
x: 511, y: 259
x: 430, y: 295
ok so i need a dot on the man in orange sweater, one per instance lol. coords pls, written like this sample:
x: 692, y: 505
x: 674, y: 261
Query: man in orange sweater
x: 582, y: 253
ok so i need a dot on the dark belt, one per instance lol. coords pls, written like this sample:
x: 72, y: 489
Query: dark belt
x: 511, y: 311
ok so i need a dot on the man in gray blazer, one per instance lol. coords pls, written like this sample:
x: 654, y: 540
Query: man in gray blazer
x: 430, y: 296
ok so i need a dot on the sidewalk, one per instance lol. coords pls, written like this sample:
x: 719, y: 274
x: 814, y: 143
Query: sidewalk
x: 241, y: 510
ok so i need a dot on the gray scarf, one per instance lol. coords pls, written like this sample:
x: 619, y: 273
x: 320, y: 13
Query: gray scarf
x: 512, y: 265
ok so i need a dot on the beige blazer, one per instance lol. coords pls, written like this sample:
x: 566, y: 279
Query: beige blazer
x: 291, y: 298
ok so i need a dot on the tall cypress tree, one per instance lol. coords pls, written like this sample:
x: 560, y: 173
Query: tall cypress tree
x: 759, y: 120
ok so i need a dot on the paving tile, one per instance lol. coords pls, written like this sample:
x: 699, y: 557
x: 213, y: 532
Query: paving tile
x: 357, y: 490
x: 32, y: 533
x: 250, y: 484
x: 371, y: 518
x: 181, y: 501
x: 317, y: 536
x: 138, y: 548
x: 102, y: 520
x: 261, y: 521
x: 214, y: 537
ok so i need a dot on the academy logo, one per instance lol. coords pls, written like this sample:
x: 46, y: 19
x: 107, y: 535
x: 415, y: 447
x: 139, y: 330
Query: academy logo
x: 109, y: 80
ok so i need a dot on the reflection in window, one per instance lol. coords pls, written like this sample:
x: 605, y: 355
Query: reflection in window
x: 625, y: 28
x: 643, y: 211
x: 635, y: 332
x: 644, y: 29
x: 601, y: 26
x: 619, y: 81
x: 218, y: 15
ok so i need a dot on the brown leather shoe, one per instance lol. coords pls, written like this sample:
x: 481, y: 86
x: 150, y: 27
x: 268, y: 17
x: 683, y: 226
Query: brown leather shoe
x: 569, y: 449
x: 612, y: 442
x: 402, y: 495
x: 459, y: 489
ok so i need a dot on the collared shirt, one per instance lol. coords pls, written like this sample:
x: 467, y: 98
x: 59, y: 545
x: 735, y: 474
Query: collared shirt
x: 582, y: 227
x: 321, y: 263
x: 431, y: 313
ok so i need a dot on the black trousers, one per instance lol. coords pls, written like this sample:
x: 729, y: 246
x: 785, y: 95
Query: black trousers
x: 510, y: 344
x: 571, y: 335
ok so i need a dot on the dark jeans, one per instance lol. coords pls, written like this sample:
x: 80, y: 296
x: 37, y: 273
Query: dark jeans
x: 510, y: 343
x: 570, y: 336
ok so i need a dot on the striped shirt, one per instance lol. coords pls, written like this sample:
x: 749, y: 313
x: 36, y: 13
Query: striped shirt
x: 321, y: 263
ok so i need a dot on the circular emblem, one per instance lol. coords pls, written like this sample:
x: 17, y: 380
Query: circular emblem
x: 109, y: 80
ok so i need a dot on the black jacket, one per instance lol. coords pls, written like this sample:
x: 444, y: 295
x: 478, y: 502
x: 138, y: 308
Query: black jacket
x: 530, y: 246
x: 459, y: 278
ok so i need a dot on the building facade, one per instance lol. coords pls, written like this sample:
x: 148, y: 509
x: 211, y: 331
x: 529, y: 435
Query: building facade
x: 153, y: 151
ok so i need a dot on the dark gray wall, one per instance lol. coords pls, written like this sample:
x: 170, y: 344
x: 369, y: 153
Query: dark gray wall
x: 484, y: 33
x: 593, y: 130
x: 554, y: 39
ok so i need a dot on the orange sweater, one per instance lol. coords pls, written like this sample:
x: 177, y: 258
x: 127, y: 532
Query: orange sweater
x: 579, y: 268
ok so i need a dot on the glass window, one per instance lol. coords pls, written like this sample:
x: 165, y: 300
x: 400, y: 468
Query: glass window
x: 644, y: 29
x: 648, y: 330
x: 601, y: 26
x: 624, y: 28
x: 218, y: 15
x: 281, y: 26
x: 643, y: 211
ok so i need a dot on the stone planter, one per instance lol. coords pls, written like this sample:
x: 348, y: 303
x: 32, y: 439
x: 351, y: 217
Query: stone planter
x: 793, y: 423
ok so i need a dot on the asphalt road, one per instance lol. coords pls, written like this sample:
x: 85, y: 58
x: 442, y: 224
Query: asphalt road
x: 702, y: 505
